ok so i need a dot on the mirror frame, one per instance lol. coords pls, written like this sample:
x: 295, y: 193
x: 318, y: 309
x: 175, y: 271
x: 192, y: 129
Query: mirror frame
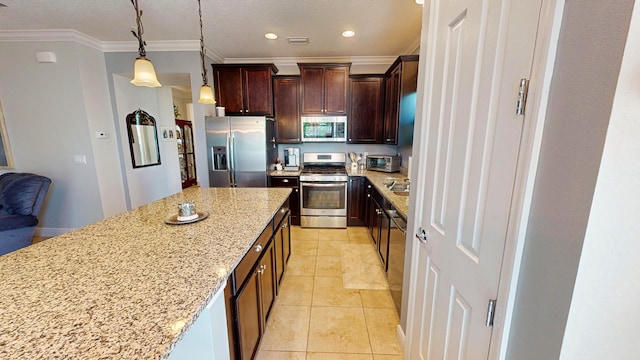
x: 142, y: 118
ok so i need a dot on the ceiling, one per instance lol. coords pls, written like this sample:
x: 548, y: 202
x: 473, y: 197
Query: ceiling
x: 235, y: 28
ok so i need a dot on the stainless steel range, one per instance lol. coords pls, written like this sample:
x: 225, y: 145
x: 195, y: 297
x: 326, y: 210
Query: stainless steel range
x: 323, y: 190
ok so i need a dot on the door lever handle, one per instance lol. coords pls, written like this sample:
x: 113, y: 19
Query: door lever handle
x: 422, y: 235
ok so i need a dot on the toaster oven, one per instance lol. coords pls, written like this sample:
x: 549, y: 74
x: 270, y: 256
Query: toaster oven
x: 384, y: 163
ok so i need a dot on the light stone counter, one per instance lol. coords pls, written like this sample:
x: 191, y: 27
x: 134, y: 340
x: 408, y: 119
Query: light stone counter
x: 127, y: 287
x: 377, y: 178
x: 285, y: 173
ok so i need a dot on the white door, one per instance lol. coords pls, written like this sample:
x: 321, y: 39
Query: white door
x: 472, y: 59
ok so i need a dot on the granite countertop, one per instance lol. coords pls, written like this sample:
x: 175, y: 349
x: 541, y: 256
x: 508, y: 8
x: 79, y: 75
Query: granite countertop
x: 377, y: 178
x: 129, y: 286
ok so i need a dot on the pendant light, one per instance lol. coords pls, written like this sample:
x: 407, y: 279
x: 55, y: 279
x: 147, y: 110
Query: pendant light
x: 143, y: 74
x: 206, y: 94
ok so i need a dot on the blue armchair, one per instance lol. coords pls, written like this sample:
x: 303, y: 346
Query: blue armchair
x: 21, y: 197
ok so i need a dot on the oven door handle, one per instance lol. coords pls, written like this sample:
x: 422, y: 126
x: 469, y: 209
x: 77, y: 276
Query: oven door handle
x: 324, y: 184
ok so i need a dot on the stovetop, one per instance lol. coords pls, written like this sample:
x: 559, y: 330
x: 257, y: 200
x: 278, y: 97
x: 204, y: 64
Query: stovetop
x: 324, y: 167
x: 322, y: 170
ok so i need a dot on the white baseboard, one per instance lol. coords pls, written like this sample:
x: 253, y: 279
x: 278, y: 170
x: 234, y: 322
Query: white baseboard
x: 400, y: 335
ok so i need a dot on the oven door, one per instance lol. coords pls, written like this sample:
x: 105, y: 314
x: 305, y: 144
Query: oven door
x: 323, y: 198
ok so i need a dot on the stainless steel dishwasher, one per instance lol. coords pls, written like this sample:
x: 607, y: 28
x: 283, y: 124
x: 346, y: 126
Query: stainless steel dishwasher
x: 397, y: 233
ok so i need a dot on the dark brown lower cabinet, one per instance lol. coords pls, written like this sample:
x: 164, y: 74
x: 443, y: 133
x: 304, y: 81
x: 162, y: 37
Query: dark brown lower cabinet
x: 355, y: 201
x: 294, y: 199
x: 248, y: 323
x: 252, y: 288
x: 253, y: 304
x: 282, y: 241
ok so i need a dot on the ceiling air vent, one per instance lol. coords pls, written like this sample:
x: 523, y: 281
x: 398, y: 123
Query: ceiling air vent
x: 298, y: 40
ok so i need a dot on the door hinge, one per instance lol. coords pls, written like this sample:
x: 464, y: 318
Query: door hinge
x: 522, y: 96
x: 491, y: 312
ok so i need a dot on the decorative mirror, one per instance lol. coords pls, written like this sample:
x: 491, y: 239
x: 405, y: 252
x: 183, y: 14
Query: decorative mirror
x: 143, y: 139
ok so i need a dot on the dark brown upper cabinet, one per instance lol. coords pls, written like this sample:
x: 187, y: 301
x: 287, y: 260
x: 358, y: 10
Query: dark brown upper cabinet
x: 400, y: 101
x: 324, y: 88
x: 286, y: 102
x: 366, y: 100
x: 244, y: 89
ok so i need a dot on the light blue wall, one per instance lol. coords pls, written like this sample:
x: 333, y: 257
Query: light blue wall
x: 46, y: 119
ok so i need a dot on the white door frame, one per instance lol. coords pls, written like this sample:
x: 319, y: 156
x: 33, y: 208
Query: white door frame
x: 540, y: 85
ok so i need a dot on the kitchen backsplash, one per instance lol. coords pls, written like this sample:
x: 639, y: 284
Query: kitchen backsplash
x: 372, y: 149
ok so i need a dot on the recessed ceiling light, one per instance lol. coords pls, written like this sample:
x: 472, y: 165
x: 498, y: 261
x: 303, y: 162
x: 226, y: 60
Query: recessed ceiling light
x: 348, y: 33
x: 271, y: 36
x: 420, y: 2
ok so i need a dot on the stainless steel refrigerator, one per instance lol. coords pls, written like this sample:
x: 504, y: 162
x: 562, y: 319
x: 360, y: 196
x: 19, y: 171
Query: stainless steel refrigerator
x: 240, y: 150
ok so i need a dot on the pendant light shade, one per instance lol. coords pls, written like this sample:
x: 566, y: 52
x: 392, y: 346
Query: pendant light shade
x: 144, y: 74
x: 206, y: 95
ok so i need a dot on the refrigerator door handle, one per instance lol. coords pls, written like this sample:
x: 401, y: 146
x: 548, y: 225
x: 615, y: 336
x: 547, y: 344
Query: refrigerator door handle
x: 229, y: 162
x: 232, y: 151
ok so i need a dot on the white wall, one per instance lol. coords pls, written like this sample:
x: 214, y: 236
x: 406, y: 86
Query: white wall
x: 582, y: 90
x: 604, y: 322
x: 100, y: 119
x: 46, y: 111
x: 178, y: 62
x: 150, y: 183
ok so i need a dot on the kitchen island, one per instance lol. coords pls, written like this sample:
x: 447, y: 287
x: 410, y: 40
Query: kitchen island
x: 130, y: 286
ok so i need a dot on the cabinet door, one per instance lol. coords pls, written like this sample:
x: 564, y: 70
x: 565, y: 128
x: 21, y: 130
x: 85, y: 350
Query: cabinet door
x: 228, y: 88
x: 267, y: 281
x: 286, y: 99
x: 335, y: 89
x: 312, y: 82
x: 248, y: 316
x: 355, y: 201
x: 383, y: 247
x: 365, y: 110
x: 258, y: 94
x: 279, y: 250
x: 392, y: 100
x: 294, y: 206
x: 286, y: 241
x: 374, y: 225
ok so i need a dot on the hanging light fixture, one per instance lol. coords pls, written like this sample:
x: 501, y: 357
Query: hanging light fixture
x: 206, y: 94
x: 143, y: 74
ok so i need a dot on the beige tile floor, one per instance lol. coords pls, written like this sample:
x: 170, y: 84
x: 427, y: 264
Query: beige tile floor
x: 315, y: 317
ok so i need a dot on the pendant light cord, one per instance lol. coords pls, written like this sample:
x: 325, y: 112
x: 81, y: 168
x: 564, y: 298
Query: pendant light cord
x: 202, y: 50
x: 141, y: 43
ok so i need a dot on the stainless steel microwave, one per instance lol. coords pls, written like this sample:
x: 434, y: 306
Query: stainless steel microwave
x: 384, y: 163
x: 324, y: 128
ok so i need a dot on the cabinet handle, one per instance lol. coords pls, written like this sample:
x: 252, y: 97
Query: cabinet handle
x: 283, y: 210
x: 368, y: 195
x: 368, y: 186
x: 388, y: 139
x: 258, y: 248
x: 296, y: 190
x: 284, y: 226
x: 285, y: 180
x: 349, y: 139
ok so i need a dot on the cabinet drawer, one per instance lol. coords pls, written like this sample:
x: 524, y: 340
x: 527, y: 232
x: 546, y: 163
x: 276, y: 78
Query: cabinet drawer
x: 246, y: 265
x: 284, y: 181
x: 277, y: 218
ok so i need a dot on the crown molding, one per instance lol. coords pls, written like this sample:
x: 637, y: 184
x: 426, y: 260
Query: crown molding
x: 50, y: 35
x: 168, y: 45
x: 185, y: 45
